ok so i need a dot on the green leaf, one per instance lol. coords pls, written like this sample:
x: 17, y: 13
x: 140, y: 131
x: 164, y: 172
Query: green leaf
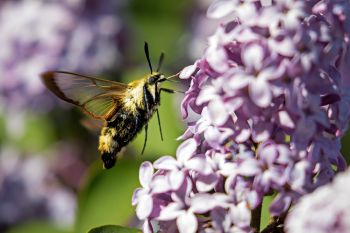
x: 106, y: 198
x: 113, y: 229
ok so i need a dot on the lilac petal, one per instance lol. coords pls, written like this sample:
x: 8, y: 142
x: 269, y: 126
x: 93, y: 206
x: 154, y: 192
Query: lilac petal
x: 185, y: 151
x: 206, y: 94
x: 254, y: 199
x: 299, y: 175
x: 268, y: 153
x: 285, y: 119
x: 136, y: 195
x: 144, y: 207
x: 198, y: 164
x: 217, y: 112
x: 204, y: 202
x: 202, y: 124
x: 280, y: 204
x: 185, y: 103
x: 188, y: 71
x: 217, y: 59
x: 272, y: 73
x: 285, y: 47
x: 260, y: 93
x: 160, y: 184
x: 247, y: 35
x: 186, y: 135
x: 205, y: 183
x: 234, y: 103
x: 284, y: 154
x: 187, y: 223
x: 266, y: 2
x: 170, y: 212
x: 249, y: 167
x: 261, y: 131
x: 230, y: 183
x: 253, y: 56
x: 237, y: 81
x: 246, y: 11
x: 240, y: 215
x: 242, y: 131
x: 228, y: 169
x: 146, y: 174
x: 176, y: 179
x: 220, y: 8
x: 221, y: 220
x: 212, y: 135
x: 166, y: 162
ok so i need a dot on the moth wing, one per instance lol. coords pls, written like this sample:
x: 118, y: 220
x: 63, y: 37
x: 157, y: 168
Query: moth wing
x: 92, y: 124
x: 97, y: 97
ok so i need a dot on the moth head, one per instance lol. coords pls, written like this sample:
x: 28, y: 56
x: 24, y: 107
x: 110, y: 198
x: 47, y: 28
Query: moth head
x: 154, y: 78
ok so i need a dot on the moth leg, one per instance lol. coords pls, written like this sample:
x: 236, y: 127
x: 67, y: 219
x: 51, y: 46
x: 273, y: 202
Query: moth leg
x: 144, y: 144
x: 160, y: 126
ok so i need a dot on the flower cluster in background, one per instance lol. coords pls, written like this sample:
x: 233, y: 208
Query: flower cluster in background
x: 266, y: 110
x: 37, y: 36
x: 30, y: 190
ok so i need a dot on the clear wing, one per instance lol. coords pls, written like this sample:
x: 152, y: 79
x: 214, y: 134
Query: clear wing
x: 98, y: 97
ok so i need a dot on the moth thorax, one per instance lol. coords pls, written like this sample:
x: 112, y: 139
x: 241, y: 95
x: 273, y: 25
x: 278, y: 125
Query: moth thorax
x: 134, y: 96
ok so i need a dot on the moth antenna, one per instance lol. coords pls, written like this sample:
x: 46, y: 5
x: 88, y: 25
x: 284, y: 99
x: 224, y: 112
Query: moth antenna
x: 147, y: 56
x: 160, y: 62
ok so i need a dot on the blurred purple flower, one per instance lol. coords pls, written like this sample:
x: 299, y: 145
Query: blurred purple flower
x: 327, y: 209
x: 29, y: 190
x: 71, y: 35
x: 266, y: 109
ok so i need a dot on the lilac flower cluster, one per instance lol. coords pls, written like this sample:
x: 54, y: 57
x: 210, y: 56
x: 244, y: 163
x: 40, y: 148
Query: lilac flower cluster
x: 36, y: 36
x: 325, y: 210
x: 265, y: 110
x: 29, y: 190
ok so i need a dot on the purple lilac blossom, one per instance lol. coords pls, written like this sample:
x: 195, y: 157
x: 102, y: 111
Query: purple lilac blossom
x: 325, y: 210
x: 30, y: 190
x: 36, y: 36
x: 270, y: 108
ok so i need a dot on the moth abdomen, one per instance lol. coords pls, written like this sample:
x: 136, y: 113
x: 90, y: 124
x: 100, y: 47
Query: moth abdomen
x: 119, y: 132
x: 108, y: 146
x: 109, y: 159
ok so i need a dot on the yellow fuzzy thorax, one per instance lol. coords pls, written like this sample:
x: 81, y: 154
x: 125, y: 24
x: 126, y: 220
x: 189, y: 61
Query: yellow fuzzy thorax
x: 134, y: 97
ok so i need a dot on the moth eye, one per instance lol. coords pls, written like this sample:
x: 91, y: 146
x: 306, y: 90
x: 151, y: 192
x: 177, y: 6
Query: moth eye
x: 152, y: 80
